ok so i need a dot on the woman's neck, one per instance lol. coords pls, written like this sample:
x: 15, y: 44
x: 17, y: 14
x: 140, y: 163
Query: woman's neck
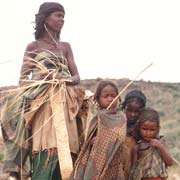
x: 50, y: 37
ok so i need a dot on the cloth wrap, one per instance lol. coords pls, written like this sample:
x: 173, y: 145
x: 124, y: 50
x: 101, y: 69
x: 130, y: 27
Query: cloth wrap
x: 102, y: 155
x: 49, y: 110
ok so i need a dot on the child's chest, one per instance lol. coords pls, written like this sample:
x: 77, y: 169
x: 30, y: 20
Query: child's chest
x: 143, y: 150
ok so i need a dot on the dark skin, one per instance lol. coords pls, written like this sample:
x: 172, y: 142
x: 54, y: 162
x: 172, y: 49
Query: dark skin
x: 133, y: 111
x: 54, y: 23
x: 149, y: 133
x: 107, y: 95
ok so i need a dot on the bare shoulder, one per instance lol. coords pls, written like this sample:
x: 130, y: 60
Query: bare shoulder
x: 65, y: 44
x: 66, y: 47
x: 32, y: 46
x: 31, y: 49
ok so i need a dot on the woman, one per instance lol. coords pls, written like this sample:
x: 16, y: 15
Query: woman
x: 49, y: 101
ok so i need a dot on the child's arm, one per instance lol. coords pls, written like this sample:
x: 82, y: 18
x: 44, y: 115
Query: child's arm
x: 163, y: 150
x: 134, y: 155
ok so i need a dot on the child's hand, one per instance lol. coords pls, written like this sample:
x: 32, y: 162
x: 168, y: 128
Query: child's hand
x: 163, y: 151
x: 155, y: 143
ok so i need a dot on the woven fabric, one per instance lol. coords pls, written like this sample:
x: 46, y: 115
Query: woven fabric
x: 101, y: 156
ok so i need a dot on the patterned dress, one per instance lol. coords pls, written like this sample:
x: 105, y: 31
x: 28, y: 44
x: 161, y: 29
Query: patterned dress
x: 102, y: 157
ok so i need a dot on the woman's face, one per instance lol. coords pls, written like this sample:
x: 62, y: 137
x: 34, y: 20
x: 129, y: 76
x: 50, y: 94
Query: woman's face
x: 132, y: 111
x: 108, y: 93
x: 55, y: 21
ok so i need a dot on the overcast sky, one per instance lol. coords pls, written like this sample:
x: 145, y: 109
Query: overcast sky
x: 109, y: 38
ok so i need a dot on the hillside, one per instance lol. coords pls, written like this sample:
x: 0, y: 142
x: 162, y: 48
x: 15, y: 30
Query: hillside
x: 164, y: 97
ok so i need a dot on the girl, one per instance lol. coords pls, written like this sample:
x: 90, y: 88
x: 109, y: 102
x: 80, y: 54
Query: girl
x: 102, y: 156
x: 47, y: 104
x: 150, y: 155
x: 133, y: 104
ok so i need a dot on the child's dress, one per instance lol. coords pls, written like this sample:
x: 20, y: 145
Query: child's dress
x: 102, y: 157
x: 151, y: 166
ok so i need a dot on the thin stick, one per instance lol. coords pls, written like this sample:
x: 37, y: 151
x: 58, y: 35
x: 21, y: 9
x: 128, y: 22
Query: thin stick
x: 176, y: 162
x: 128, y: 86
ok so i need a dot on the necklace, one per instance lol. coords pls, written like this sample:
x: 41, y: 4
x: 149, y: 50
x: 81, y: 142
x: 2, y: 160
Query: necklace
x: 49, y: 42
x: 55, y: 42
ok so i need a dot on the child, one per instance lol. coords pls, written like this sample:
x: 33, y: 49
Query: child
x: 101, y: 156
x: 150, y: 155
x: 133, y: 104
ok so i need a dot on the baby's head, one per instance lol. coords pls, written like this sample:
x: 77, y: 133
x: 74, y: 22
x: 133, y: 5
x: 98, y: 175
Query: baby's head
x: 148, y: 125
x: 105, y: 93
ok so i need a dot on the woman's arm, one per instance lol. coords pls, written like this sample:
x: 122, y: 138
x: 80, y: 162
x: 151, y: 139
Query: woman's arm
x: 27, y: 63
x: 75, y: 78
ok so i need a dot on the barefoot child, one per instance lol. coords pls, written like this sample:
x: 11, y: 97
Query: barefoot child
x: 150, y: 155
x: 101, y: 157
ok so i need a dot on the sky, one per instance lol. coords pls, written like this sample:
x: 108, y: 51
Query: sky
x: 109, y: 38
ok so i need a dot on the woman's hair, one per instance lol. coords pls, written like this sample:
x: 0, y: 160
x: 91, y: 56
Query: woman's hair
x: 136, y: 96
x: 101, y: 86
x: 45, y: 10
x: 148, y: 114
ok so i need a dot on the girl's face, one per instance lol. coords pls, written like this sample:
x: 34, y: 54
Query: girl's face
x: 148, y: 130
x: 55, y: 21
x: 108, y: 93
x: 132, y: 111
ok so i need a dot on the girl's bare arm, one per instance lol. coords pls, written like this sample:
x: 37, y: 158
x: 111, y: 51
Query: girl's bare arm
x: 134, y: 155
x: 163, y: 150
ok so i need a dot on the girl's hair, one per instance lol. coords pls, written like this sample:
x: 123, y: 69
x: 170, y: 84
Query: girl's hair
x: 136, y: 96
x: 44, y: 11
x: 148, y: 114
x: 101, y: 86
